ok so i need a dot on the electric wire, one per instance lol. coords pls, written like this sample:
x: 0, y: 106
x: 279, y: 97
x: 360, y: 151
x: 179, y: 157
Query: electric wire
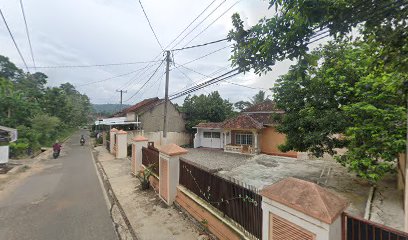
x: 14, y: 41
x: 147, y: 18
x: 200, y: 45
x: 27, y: 33
x: 97, y: 65
x: 146, y: 81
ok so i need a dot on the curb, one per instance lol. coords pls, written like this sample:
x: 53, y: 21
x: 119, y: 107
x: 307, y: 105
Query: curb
x: 114, y: 204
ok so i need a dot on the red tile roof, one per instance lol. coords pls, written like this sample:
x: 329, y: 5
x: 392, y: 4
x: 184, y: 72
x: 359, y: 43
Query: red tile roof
x: 242, y: 121
x: 139, y: 106
x: 306, y: 197
x: 210, y: 125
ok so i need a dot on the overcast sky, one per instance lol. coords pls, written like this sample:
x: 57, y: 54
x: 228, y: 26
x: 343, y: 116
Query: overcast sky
x: 86, y: 32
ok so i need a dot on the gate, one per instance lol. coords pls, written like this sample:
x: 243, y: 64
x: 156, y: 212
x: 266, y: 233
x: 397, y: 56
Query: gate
x: 150, y: 156
x: 355, y: 228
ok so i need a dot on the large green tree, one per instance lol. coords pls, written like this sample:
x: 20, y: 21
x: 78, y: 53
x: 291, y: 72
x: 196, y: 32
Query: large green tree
x: 206, y: 108
x: 259, y: 97
x: 345, y: 95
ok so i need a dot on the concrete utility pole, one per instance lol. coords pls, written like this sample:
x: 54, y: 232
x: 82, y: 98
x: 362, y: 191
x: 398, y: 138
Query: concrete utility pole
x: 121, y: 94
x: 166, y: 93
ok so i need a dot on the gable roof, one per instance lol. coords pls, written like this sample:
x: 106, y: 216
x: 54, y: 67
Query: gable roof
x: 150, y: 102
x: 242, y: 121
x: 306, y: 197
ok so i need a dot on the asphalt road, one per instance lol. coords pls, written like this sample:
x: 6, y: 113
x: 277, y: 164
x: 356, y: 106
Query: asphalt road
x: 63, y: 201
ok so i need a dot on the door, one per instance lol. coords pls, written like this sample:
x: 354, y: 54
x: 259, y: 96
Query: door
x: 211, y: 139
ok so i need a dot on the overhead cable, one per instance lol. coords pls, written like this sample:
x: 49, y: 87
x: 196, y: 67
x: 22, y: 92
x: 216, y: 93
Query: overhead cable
x: 14, y: 41
x: 27, y: 33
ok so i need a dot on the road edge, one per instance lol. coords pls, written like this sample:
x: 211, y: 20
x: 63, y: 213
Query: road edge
x: 111, y: 199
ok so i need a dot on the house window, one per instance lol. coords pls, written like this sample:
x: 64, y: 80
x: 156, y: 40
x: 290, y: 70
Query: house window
x: 207, y: 134
x: 216, y: 135
x: 243, y: 138
x: 212, y: 135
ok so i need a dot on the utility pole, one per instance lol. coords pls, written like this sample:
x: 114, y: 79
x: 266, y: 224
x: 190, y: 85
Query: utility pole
x: 166, y: 93
x: 121, y: 94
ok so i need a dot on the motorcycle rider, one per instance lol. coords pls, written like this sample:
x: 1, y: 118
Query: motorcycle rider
x: 82, y: 141
x: 56, y: 147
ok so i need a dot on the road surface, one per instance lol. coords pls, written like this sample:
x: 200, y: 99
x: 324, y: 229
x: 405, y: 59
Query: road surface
x: 63, y: 201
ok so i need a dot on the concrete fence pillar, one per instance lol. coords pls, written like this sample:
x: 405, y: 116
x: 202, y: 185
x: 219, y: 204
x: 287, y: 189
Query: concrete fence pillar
x: 297, y: 209
x: 104, y: 138
x: 169, y: 171
x: 121, y: 144
x: 112, y: 136
x: 137, y: 144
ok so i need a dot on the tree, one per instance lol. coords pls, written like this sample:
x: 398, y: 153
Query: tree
x: 260, y: 97
x: 351, y: 99
x: 46, y: 125
x: 287, y: 34
x: 206, y: 108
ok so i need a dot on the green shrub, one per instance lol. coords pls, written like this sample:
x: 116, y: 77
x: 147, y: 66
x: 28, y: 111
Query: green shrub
x: 19, y: 148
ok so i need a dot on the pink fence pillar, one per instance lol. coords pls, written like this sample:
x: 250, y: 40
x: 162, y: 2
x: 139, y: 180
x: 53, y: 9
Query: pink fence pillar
x: 137, y: 145
x: 297, y: 209
x: 121, y: 144
x: 169, y: 171
x: 112, y: 135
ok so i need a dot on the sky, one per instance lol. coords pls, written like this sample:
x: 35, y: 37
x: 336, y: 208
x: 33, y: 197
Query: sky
x: 89, y: 32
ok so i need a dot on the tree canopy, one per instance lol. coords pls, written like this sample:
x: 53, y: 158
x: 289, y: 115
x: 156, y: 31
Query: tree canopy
x: 348, y: 93
x: 260, y: 97
x: 206, y: 108
x: 40, y: 113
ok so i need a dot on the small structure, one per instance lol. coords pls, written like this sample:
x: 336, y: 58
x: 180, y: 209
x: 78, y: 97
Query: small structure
x: 253, y: 131
x: 7, y: 135
x: 297, y: 209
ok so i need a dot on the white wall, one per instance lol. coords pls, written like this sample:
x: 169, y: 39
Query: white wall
x: 178, y: 138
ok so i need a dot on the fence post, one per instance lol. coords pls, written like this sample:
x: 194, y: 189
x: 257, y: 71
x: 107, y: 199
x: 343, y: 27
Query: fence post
x: 103, y: 138
x: 301, y: 209
x: 137, y: 144
x: 169, y: 171
x: 121, y: 141
x: 112, y: 133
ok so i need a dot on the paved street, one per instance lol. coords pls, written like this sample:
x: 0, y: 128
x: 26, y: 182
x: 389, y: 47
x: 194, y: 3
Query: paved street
x: 63, y: 201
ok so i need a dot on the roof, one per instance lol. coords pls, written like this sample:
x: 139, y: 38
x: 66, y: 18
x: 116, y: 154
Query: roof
x: 242, y: 121
x: 307, y: 197
x: 140, y: 106
x: 172, y: 149
x: 209, y: 125
x: 263, y: 118
x: 266, y: 106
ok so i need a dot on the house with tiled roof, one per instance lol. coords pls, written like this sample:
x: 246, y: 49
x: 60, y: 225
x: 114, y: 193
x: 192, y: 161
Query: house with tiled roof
x: 253, y: 131
x: 149, y: 117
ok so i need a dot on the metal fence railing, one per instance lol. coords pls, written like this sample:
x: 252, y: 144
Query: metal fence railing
x: 239, y: 203
x: 355, y: 228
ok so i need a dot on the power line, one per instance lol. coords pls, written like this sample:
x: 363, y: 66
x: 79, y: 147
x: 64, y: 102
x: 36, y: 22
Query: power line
x: 199, y: 23
x: 206, y: 84
x: 27, y: 32
x: 96, y: 65
x: 14, y: 41
x: 200, y: 45
x: 157, y: 39
x: 106, y: 79
x: 205, y: 29
x: 146, y: 81
x: 199, y: 15
x: 206, y: 55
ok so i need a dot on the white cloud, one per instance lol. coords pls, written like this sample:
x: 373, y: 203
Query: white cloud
x: 75, y: 32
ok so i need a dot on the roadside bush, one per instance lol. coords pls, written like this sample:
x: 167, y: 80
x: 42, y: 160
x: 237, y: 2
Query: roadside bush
x: 19, y: 148
x: 99, y: 140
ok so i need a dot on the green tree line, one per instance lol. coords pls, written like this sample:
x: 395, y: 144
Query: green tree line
x: 41, y: 114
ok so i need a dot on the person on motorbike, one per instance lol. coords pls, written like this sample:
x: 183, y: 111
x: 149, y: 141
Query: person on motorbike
x: 82, y: 141
x: 57, y: 148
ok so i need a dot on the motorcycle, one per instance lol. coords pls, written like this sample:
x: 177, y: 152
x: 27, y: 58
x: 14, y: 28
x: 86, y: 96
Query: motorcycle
x: 82, y: 141
x: 55, y: 154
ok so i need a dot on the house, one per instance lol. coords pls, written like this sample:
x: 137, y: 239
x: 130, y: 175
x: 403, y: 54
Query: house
x: 253, y: 131
x: 148, y: 114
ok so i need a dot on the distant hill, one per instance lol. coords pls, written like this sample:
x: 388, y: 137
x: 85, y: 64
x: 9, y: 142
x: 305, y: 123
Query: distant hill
x: 107, y: 109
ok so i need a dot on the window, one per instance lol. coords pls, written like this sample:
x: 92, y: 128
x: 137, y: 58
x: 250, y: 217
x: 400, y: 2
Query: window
x: 243, y: 138
x: 207, y: 134
x: 216, y: 135
x: 212, y: 135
